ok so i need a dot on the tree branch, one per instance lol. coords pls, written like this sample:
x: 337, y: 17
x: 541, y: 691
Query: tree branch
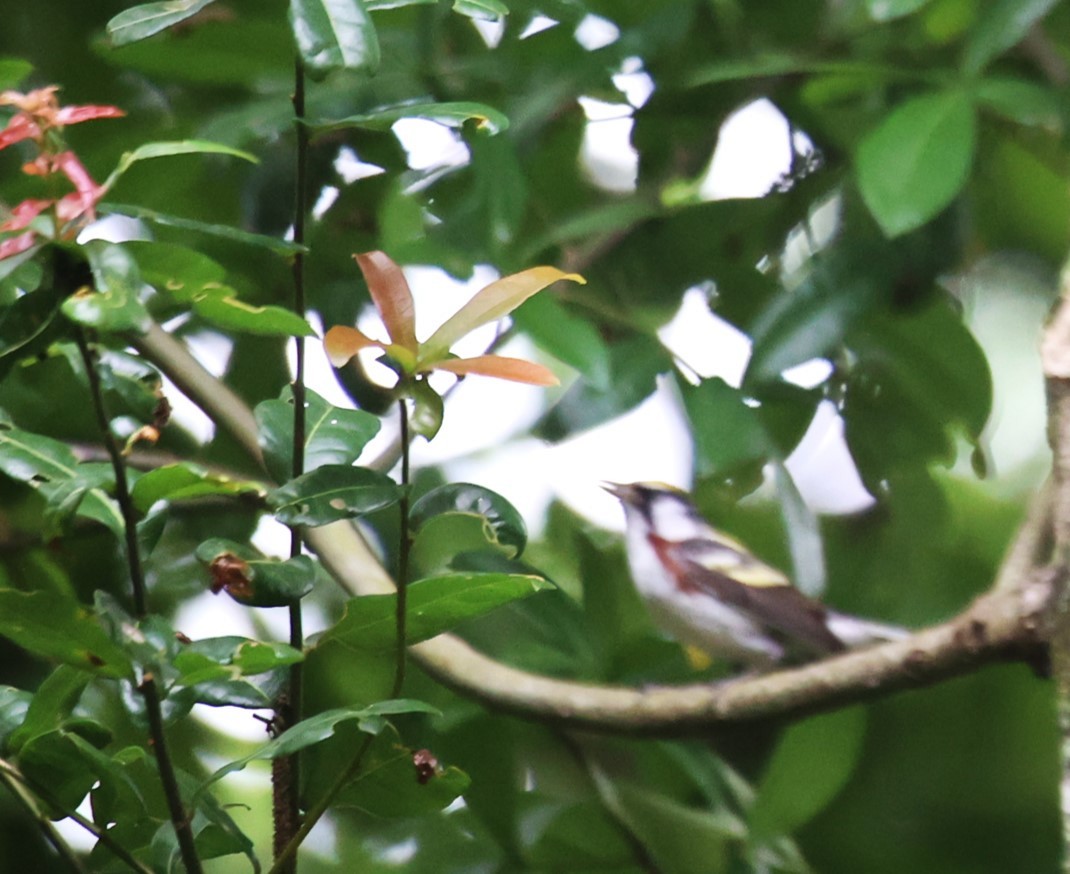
x: 1004, y: 625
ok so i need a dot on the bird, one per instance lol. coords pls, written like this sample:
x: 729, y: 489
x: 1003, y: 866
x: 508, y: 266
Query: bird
x: 709, y: 591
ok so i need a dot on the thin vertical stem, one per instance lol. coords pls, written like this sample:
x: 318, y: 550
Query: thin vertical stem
x: 180, y: 820
x: 286, y: 771
x: 122, y: 489
x: 404, y: 543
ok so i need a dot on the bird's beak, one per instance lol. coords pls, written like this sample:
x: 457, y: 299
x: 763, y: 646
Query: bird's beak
x: 617, y: 490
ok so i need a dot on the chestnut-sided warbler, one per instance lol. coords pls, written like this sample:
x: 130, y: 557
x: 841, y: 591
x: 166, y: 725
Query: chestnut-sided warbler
x: 707, y: 590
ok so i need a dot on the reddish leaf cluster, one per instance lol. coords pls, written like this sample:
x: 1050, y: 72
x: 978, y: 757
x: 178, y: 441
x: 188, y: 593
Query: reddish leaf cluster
x: 40, y: 118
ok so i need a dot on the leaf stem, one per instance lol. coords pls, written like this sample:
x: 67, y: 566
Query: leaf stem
x: 404, y: 545
x: 157, y: 737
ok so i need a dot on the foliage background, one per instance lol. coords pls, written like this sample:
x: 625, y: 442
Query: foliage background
x: 961, y: 777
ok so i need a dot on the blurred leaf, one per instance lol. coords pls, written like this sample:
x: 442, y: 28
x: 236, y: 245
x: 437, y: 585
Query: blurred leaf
x: 332, y: 492
x: 634, y: 366
x: 227, y: 312
x: 450, y: 114
x: 141, y: 22
x: 812, y: 763
x: 225, y: 232
x: 333, y: 435
x: 54, y: 762
x: 252, y: 580
x: 13, y: 71
x: 184, y: 480
x: 390, y: 292
x: 29, y: 326
x: 14, y: 705
x: 334, y: 35
x: 52, y: 703
x: 1001, y: 24
x: 50, y: 467
x: 503, y: 523
x: 494, y: 302
x: 487, y: 10
x: 178, y: 147
x: 803, y: 531
x: 727, y: 431
x: 917, y: 159
x: 677, y: 837
x: 500, y: 367
x: 889, y: 10
x: 567, y: 337
x: 389, y: 783
x: 434, y: 605
x: 375, y: 5
x: 115, y: 304
x: 318, y: 728
x: 917, y: 378
x: 1022, y: 101
x: 62, y: 630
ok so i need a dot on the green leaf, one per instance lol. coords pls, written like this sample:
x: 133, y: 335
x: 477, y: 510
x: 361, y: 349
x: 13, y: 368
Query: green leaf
x: 803, y: 531
x: 14, y: 705
x: 332, y: 435
x: 50, y: 467
x: 184, y: 480
x: 486, y: 520
x: 808, y: 322
x: 812, y: 763
x: 485, y: 10
x: 29, y: 326
x: 253, y: 580
x: 919, y: 378
x: 275, y: 244
x: 634, y: 367
x: 425, y: 417
x: 53, y: 702
x: 334, y: 35
x: 376, y: 5
x: 728, y: 433
x: 211, y: 671
x: 178, y: 271
x: 141, y: 22
x: 114, y: 305
x: 435, y: 605
x: 1001, y: 24
x: 318, y: 728
x: 227, y: 312
x: 567, y: 337
x: 680, y: 837
x: 390, y: 785
x: 1022, y: 101
x: 889, y: 10
x: 451, y: 114
x: 917, y: 160
x: 332, y: 492
x: 60, y: 629
x: 13, y: 71
x: 54, y: 761
x: 176, y: 147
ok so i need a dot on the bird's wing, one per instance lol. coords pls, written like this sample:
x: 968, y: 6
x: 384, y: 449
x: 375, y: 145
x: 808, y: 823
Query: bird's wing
x: 729, y: 573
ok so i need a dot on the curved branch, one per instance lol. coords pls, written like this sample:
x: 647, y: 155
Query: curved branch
x: 1002, y: 625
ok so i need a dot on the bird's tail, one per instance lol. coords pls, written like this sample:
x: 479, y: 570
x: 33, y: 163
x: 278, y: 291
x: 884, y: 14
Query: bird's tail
x: 855, y: 632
